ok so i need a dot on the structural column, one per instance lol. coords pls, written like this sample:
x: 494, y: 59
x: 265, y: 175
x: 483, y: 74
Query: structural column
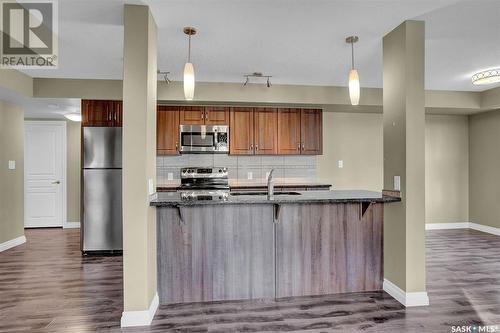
x: 404, y: 162
x: 139, y: 166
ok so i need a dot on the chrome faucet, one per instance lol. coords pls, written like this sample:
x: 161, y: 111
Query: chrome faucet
x: 270, y: 185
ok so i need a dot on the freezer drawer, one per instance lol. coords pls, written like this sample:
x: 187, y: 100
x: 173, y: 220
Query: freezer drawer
x: 102, y: 147
x: 102, y: 211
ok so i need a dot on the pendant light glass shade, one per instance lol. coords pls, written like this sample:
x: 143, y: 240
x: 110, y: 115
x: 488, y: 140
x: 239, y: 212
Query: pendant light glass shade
x: 354, y: 87
x: 189, y: 81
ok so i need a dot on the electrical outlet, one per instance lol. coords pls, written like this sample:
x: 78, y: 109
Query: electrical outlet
x: 249, y: 175
x: 12, y: 165
x: 170, y: 176
x: 151, y: 188
x: 397, y: 183
x: 340, y: 164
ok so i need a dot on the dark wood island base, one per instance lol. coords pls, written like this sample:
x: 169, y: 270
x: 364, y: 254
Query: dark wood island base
x: 268, y: 250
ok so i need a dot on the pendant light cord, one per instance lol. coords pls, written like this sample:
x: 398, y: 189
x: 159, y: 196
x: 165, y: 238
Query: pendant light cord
x: 352, y: 55
x: 189, y: 49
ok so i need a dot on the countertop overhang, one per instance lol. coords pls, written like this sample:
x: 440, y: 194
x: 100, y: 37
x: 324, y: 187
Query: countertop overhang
x: 173, y: 199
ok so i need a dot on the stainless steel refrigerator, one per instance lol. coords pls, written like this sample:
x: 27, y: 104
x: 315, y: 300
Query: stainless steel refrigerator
x: 102, y: 190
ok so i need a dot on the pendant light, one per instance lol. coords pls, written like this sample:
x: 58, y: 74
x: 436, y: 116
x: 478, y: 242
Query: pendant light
x: 353, y: 74
x: 189, y: 69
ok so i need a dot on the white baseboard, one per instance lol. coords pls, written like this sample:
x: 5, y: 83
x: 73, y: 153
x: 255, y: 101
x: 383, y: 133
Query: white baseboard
x: 485, y: 228
x: 140, y: 318
x: 13, y: 242
x: 440, y: 226
x: 463, y: 225
x: 71, y: 225
x: 407, y: 299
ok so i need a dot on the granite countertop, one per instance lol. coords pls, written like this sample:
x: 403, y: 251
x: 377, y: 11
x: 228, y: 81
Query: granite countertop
x: 173, y: 199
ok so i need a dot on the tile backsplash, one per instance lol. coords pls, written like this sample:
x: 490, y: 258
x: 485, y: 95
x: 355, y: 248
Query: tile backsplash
x: 285, y: 167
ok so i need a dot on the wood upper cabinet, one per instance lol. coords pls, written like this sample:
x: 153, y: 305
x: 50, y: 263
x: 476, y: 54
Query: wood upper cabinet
x: 311, y: 128
x: 289, y: 131
x: 241, y: 131
x: 167, y: 130
x: 216, y: 115
x: 200, y: 115
x: 192, y: 115
x: 266, y: 131
x: 102, y: 113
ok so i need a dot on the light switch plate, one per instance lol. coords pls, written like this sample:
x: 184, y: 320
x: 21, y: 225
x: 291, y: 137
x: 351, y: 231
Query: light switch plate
x: 12, y: 165
x: 151, y: 188
x: 170, y: 176
x: 340, y: 164
x: 249, y: 175
x: 397, y: 183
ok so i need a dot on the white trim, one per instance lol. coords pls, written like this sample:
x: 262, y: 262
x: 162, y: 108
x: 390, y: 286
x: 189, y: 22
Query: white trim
x: 140, y: 318
x: 485, y: 228
x: 463, y: 225
x: 63, y: 124
x: 71, y: 225
x: 13, y: 242
x: 440, y: 226
x: 407, y: 299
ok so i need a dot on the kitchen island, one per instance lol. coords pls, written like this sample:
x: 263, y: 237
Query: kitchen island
x: 247, y: 246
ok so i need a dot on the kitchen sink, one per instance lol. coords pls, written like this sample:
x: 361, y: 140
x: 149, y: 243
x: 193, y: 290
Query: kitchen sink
x: 263, y: 193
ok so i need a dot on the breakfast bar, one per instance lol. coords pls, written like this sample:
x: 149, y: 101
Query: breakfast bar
x: 252, y: 246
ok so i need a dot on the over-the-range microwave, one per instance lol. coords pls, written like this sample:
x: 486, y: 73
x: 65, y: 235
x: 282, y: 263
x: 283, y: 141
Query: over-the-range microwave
x: 204, y: 139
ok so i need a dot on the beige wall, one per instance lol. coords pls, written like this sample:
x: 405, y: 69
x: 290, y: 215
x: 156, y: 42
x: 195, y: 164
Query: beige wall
x: 139, y: 157
x: 356, y: 139
x: 73, y: 166
x: 11, y: 181
x: 446, y: 169
x: 404, y: 154
x: 484, y: 168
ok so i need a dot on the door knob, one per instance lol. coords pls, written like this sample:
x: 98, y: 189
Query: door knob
x: 56, y: 182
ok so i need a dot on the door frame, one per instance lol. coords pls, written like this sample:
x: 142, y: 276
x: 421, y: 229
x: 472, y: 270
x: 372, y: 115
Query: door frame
x: 62, y: 124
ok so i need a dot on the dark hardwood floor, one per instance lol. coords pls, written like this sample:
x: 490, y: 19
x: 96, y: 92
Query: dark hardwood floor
x: 47, y: 286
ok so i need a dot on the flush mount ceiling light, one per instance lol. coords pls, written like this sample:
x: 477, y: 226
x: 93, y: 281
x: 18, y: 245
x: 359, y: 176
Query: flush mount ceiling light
x: 257, y: 75
x: 486, y: 77
x: 73, y: 116
x: 189, y: 69
x: 353, y: 74
x: 165, y: 76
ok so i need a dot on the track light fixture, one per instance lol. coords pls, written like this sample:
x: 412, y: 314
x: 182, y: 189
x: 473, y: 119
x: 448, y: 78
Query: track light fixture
x: 257, y: 75
x: 165, y: 76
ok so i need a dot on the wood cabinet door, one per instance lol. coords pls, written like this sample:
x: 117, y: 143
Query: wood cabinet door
x: 266, y: 131
x: 167, y: 130
x: 241, y: 131
x: 289, y: 131
x: 101, y: 113
x: 192, y: 115
x: 311, y: 131
x: 216, y: 115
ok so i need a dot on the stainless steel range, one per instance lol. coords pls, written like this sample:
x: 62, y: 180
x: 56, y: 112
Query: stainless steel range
x: 204, y: 183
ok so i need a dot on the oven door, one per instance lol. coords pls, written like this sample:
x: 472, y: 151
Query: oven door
x: 197, y: 139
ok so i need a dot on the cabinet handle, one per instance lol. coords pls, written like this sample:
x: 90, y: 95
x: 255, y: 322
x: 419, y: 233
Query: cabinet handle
x: 177, y: 146
x: 251, y: 146
x: 302, y: 145
x: 298, y: 146
x: 202, y: 115
x: 206, y: 115
x: 256, y: 147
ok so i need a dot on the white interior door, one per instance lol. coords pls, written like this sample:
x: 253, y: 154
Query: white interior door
x: 44, y: 173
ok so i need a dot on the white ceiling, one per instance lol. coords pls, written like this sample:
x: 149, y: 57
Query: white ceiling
x: 38, y: 108
x: 296, y: 41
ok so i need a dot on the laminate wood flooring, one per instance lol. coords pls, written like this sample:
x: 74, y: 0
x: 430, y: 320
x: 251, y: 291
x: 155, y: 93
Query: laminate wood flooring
x: 47, y: 286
